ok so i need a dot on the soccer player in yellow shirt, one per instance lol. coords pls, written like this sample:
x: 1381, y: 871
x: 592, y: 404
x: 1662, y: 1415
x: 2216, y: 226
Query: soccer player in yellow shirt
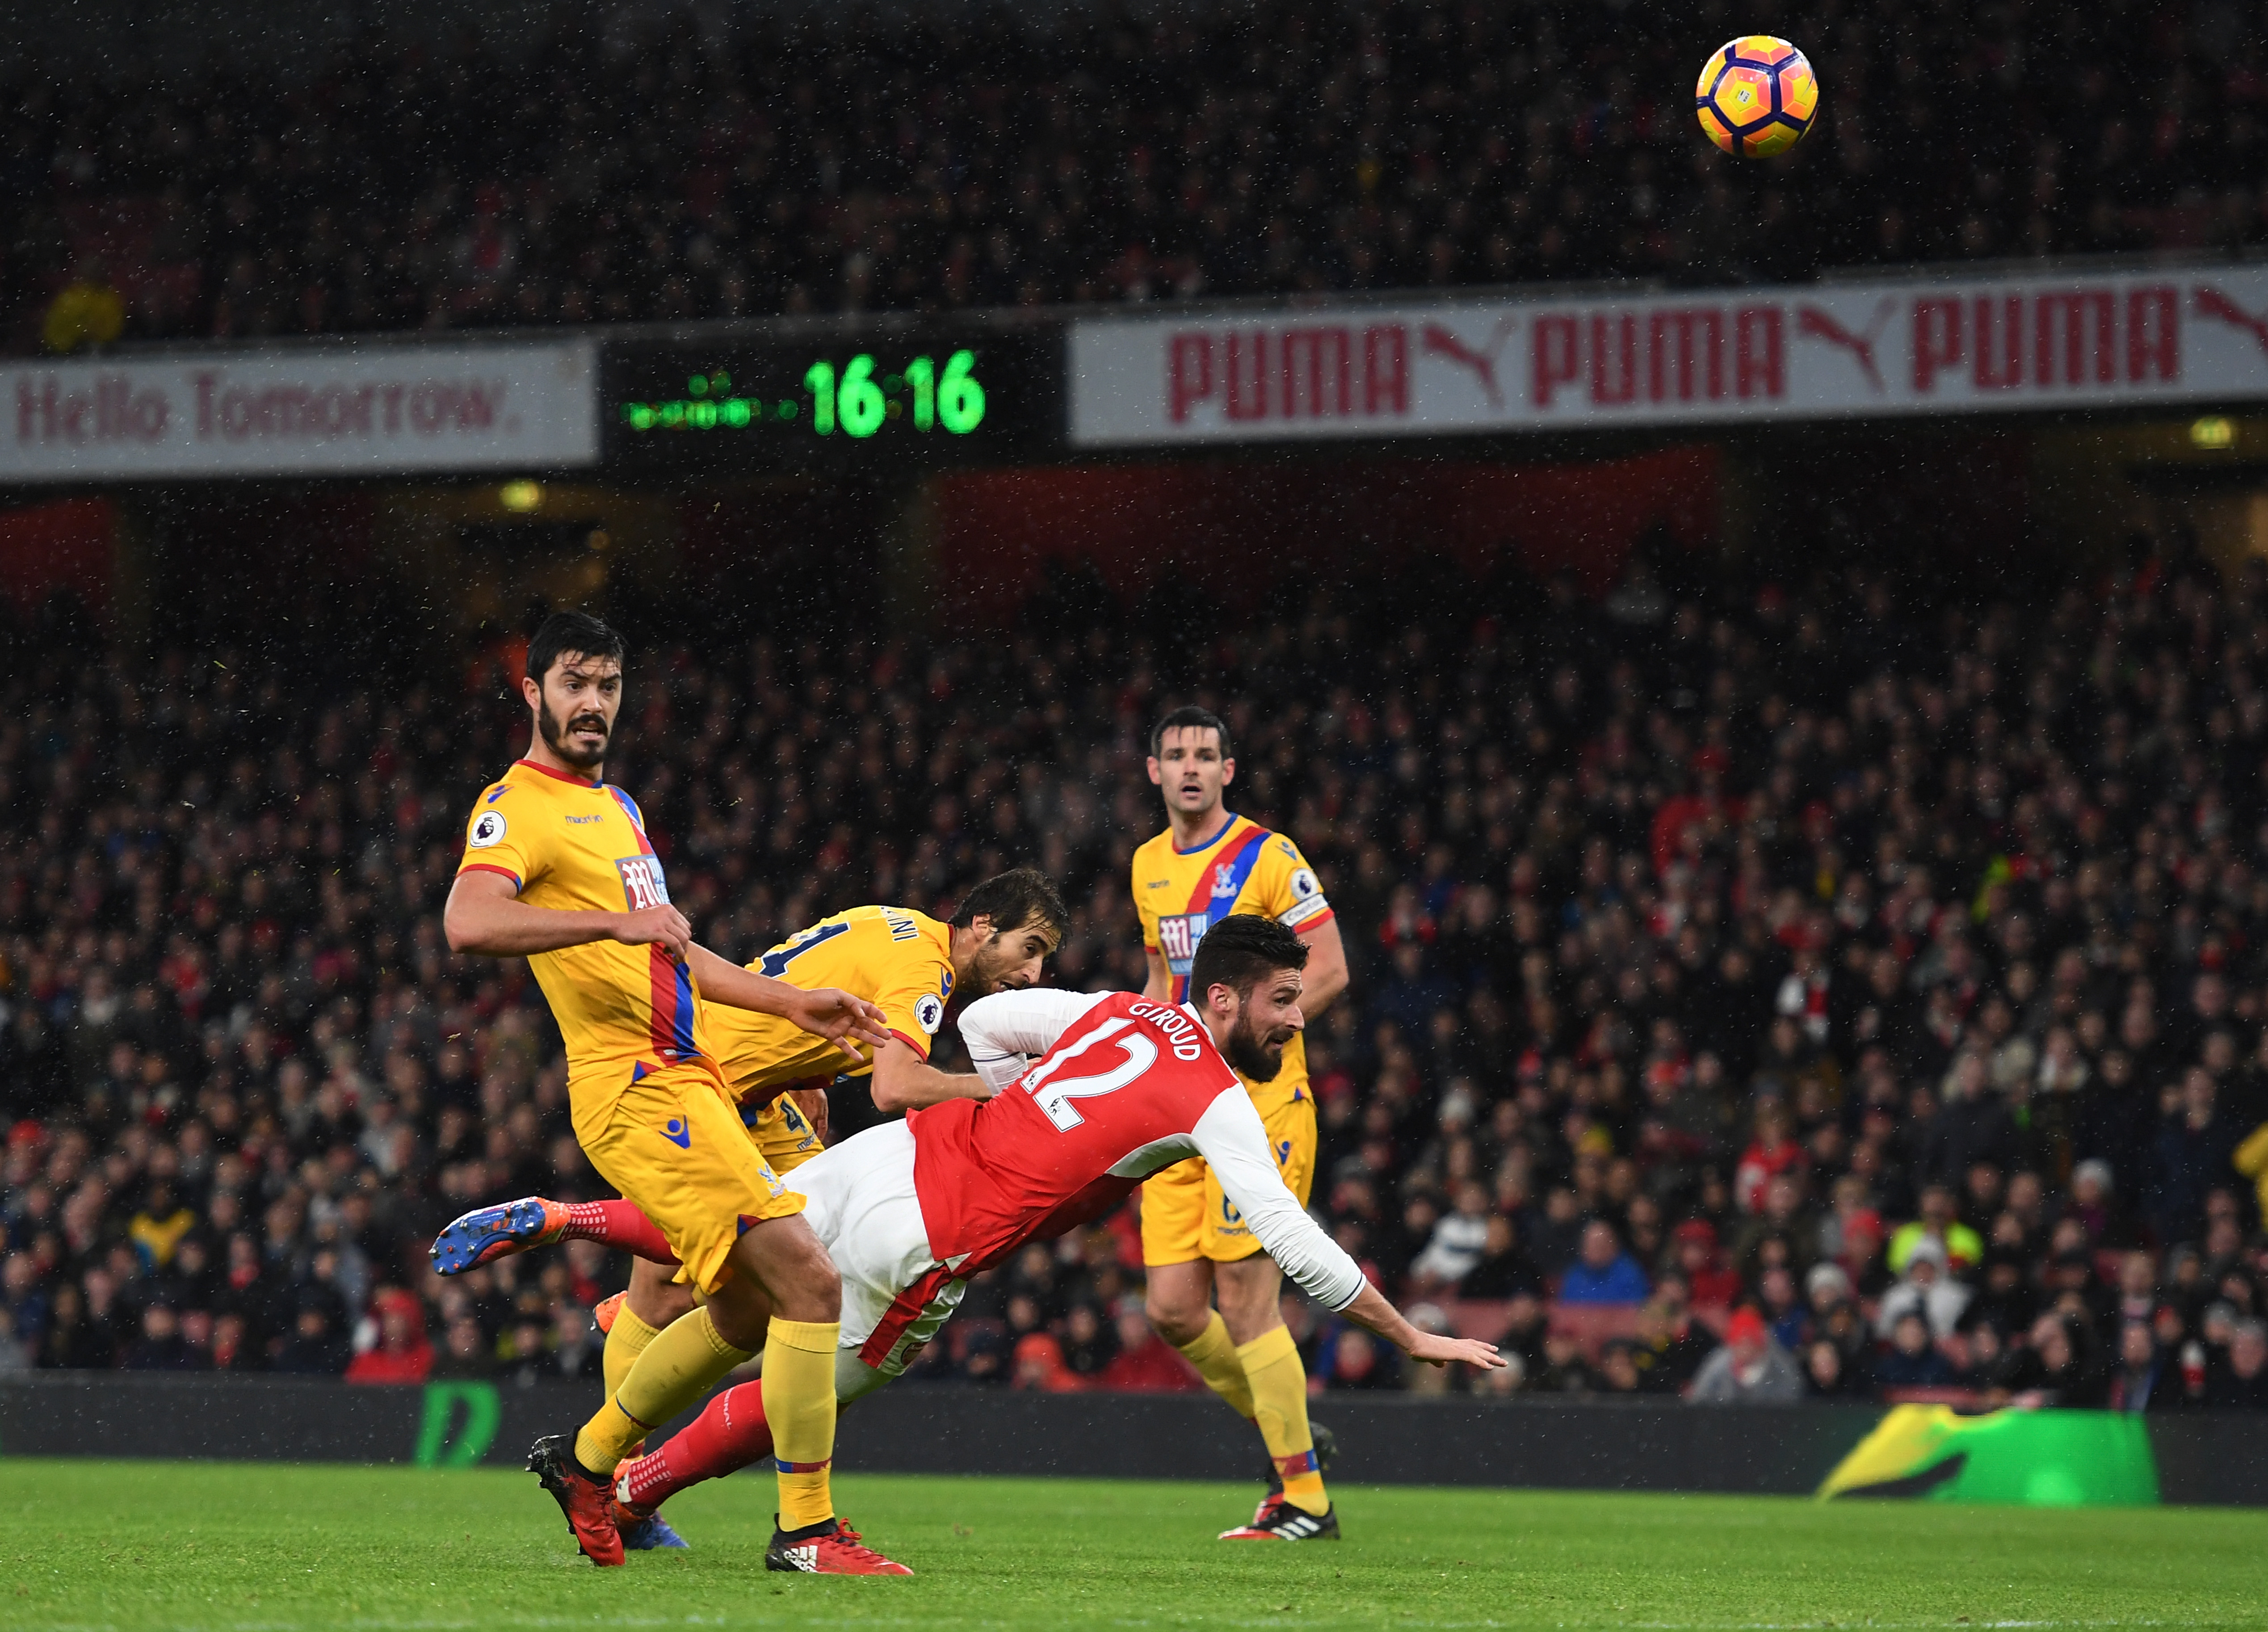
x: 1207, y: 865
x: 558, y: 868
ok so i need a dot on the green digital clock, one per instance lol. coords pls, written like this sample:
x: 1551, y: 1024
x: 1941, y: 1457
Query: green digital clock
x: 955, y: 394
x: 854, y: 401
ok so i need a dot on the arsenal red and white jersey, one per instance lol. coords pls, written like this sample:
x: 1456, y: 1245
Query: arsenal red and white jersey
x: 1118, y: 1086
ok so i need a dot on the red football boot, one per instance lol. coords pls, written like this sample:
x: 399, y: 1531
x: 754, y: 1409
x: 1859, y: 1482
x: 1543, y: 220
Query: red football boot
x: 586, y: 1499
x: 829, y: 1548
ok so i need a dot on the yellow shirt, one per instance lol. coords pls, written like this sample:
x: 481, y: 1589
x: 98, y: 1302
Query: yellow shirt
x: 568, y: 844
x: 897, y: 959
x: 1243, y: 867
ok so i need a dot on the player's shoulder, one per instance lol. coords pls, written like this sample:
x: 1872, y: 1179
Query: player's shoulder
x: 1155, y: 854
x: 902, y: 927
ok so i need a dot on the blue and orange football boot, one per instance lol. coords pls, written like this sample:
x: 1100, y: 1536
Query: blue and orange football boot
x: 489, y: 1233
x: 644, y: 1530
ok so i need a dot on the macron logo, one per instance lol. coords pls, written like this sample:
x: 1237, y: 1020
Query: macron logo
x: 677, y: 1133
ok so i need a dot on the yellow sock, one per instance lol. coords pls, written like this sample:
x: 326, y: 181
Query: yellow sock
x: 624, y: 1344
x: 800, y: 1405
x: 1280, y: 1396
x: 1218, y: 1362
x: 679, y: 1365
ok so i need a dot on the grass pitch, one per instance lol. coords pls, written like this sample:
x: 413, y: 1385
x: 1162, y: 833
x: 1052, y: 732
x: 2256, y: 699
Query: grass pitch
x: 267, y: 1548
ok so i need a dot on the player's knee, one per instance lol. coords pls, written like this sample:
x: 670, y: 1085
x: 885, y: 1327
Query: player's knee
x: 806, y: 1287
x: 1175, y: 1321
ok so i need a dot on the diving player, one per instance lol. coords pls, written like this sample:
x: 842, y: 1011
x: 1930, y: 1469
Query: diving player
x: 1205, y: 866
x: 1094, y: 1091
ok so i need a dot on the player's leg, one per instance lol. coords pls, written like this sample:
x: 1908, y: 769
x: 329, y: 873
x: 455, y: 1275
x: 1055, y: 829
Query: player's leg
x: 863, y: 1207
x: 1250, y: 1287
x: 656, y: 1296
x: 673, y: 1144
x: 489, y: 1233
x: 1179, y: 1296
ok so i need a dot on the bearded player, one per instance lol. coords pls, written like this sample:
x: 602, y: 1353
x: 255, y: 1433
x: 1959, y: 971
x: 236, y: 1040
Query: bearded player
x: 1197, y: 1246
x: 558, y: 868
x: 912, y: 968
x: 1093, y: 1092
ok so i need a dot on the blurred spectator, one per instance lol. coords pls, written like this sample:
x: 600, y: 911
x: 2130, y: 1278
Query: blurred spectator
x: 1750, y: 1368
x: 2242, y: 1381
x: 1912, y: 1359
x: 1605, y: 1274
x: 402, y: 1353
x: 1829, y: 1375
x: 1925, y: 1289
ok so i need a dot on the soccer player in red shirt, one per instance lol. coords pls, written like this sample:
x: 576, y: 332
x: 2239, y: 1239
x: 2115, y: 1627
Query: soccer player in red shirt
x: 1091, y: 1094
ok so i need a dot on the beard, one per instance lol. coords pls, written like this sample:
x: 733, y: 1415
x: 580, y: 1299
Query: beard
x: 987, y: 974
x: 1253, y: 1056
x: 555, y: 736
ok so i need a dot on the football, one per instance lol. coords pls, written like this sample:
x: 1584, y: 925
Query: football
x: 1756, y: 96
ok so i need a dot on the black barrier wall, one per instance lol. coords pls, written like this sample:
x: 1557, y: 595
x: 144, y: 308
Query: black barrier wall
x: 1621, y: 1446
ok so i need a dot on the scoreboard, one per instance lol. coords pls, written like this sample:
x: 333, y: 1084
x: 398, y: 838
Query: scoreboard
x: 900, y: 396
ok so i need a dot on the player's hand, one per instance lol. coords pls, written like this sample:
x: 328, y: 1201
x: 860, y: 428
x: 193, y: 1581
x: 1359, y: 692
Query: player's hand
x: 1439, y: 1351
x: 843, y: 1020
x: 813, y: 1103
x: 664, y: 926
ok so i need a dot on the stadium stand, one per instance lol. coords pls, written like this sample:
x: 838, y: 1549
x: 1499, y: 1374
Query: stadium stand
x: 1876, y: 977
x: 940, y: 159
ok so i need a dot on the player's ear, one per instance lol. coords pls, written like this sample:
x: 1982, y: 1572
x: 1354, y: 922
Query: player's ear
x: 1157, y: 777
x: 531, y: 690
x: 1227, y: 771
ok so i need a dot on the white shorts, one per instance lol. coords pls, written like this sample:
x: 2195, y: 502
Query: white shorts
x: 860, y: 1202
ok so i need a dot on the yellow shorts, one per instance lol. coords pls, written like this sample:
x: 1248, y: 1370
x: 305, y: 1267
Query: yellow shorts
x: 1185, y: 1215
x: 782, y: 1134
x: 673, y: 1143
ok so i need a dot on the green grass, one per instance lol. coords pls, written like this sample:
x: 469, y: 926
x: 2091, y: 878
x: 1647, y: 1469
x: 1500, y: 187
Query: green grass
x: 267, y: 1548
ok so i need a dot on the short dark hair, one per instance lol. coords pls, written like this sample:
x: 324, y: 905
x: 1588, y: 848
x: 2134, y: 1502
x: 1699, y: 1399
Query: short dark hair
x: 1016, y: 899
x: 570, y: 631
x: 1190, y: 717
x: 1241, y: 951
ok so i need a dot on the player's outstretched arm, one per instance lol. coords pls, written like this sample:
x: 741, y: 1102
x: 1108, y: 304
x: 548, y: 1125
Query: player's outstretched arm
x: 1230, y: 1137
x: 842, y: 1019
x: 485, y: 915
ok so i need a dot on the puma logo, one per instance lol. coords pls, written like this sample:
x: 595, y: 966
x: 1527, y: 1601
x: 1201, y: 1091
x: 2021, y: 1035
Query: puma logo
x: 1445, y: 343
x: 2210, y: 302
x: 1814, y: 323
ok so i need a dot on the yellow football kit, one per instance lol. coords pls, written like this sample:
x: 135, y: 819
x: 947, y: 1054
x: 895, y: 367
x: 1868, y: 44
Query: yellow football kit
x: 900, y: 961
x: 648, y: 1103
x: 1243, y: 867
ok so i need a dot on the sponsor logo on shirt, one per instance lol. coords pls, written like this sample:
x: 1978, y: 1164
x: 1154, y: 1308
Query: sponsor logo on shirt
x: 1178, y: 937
x: 642, y: 882
x: 584, y: 821
x: 488, y: 829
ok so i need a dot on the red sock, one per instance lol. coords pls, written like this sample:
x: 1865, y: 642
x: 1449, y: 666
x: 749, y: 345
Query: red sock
x: 619, y: 1223
x: 731, y: 1434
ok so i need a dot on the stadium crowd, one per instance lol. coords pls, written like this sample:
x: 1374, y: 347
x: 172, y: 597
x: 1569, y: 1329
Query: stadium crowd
x: 940, y: 158
x: 1877, y: 983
